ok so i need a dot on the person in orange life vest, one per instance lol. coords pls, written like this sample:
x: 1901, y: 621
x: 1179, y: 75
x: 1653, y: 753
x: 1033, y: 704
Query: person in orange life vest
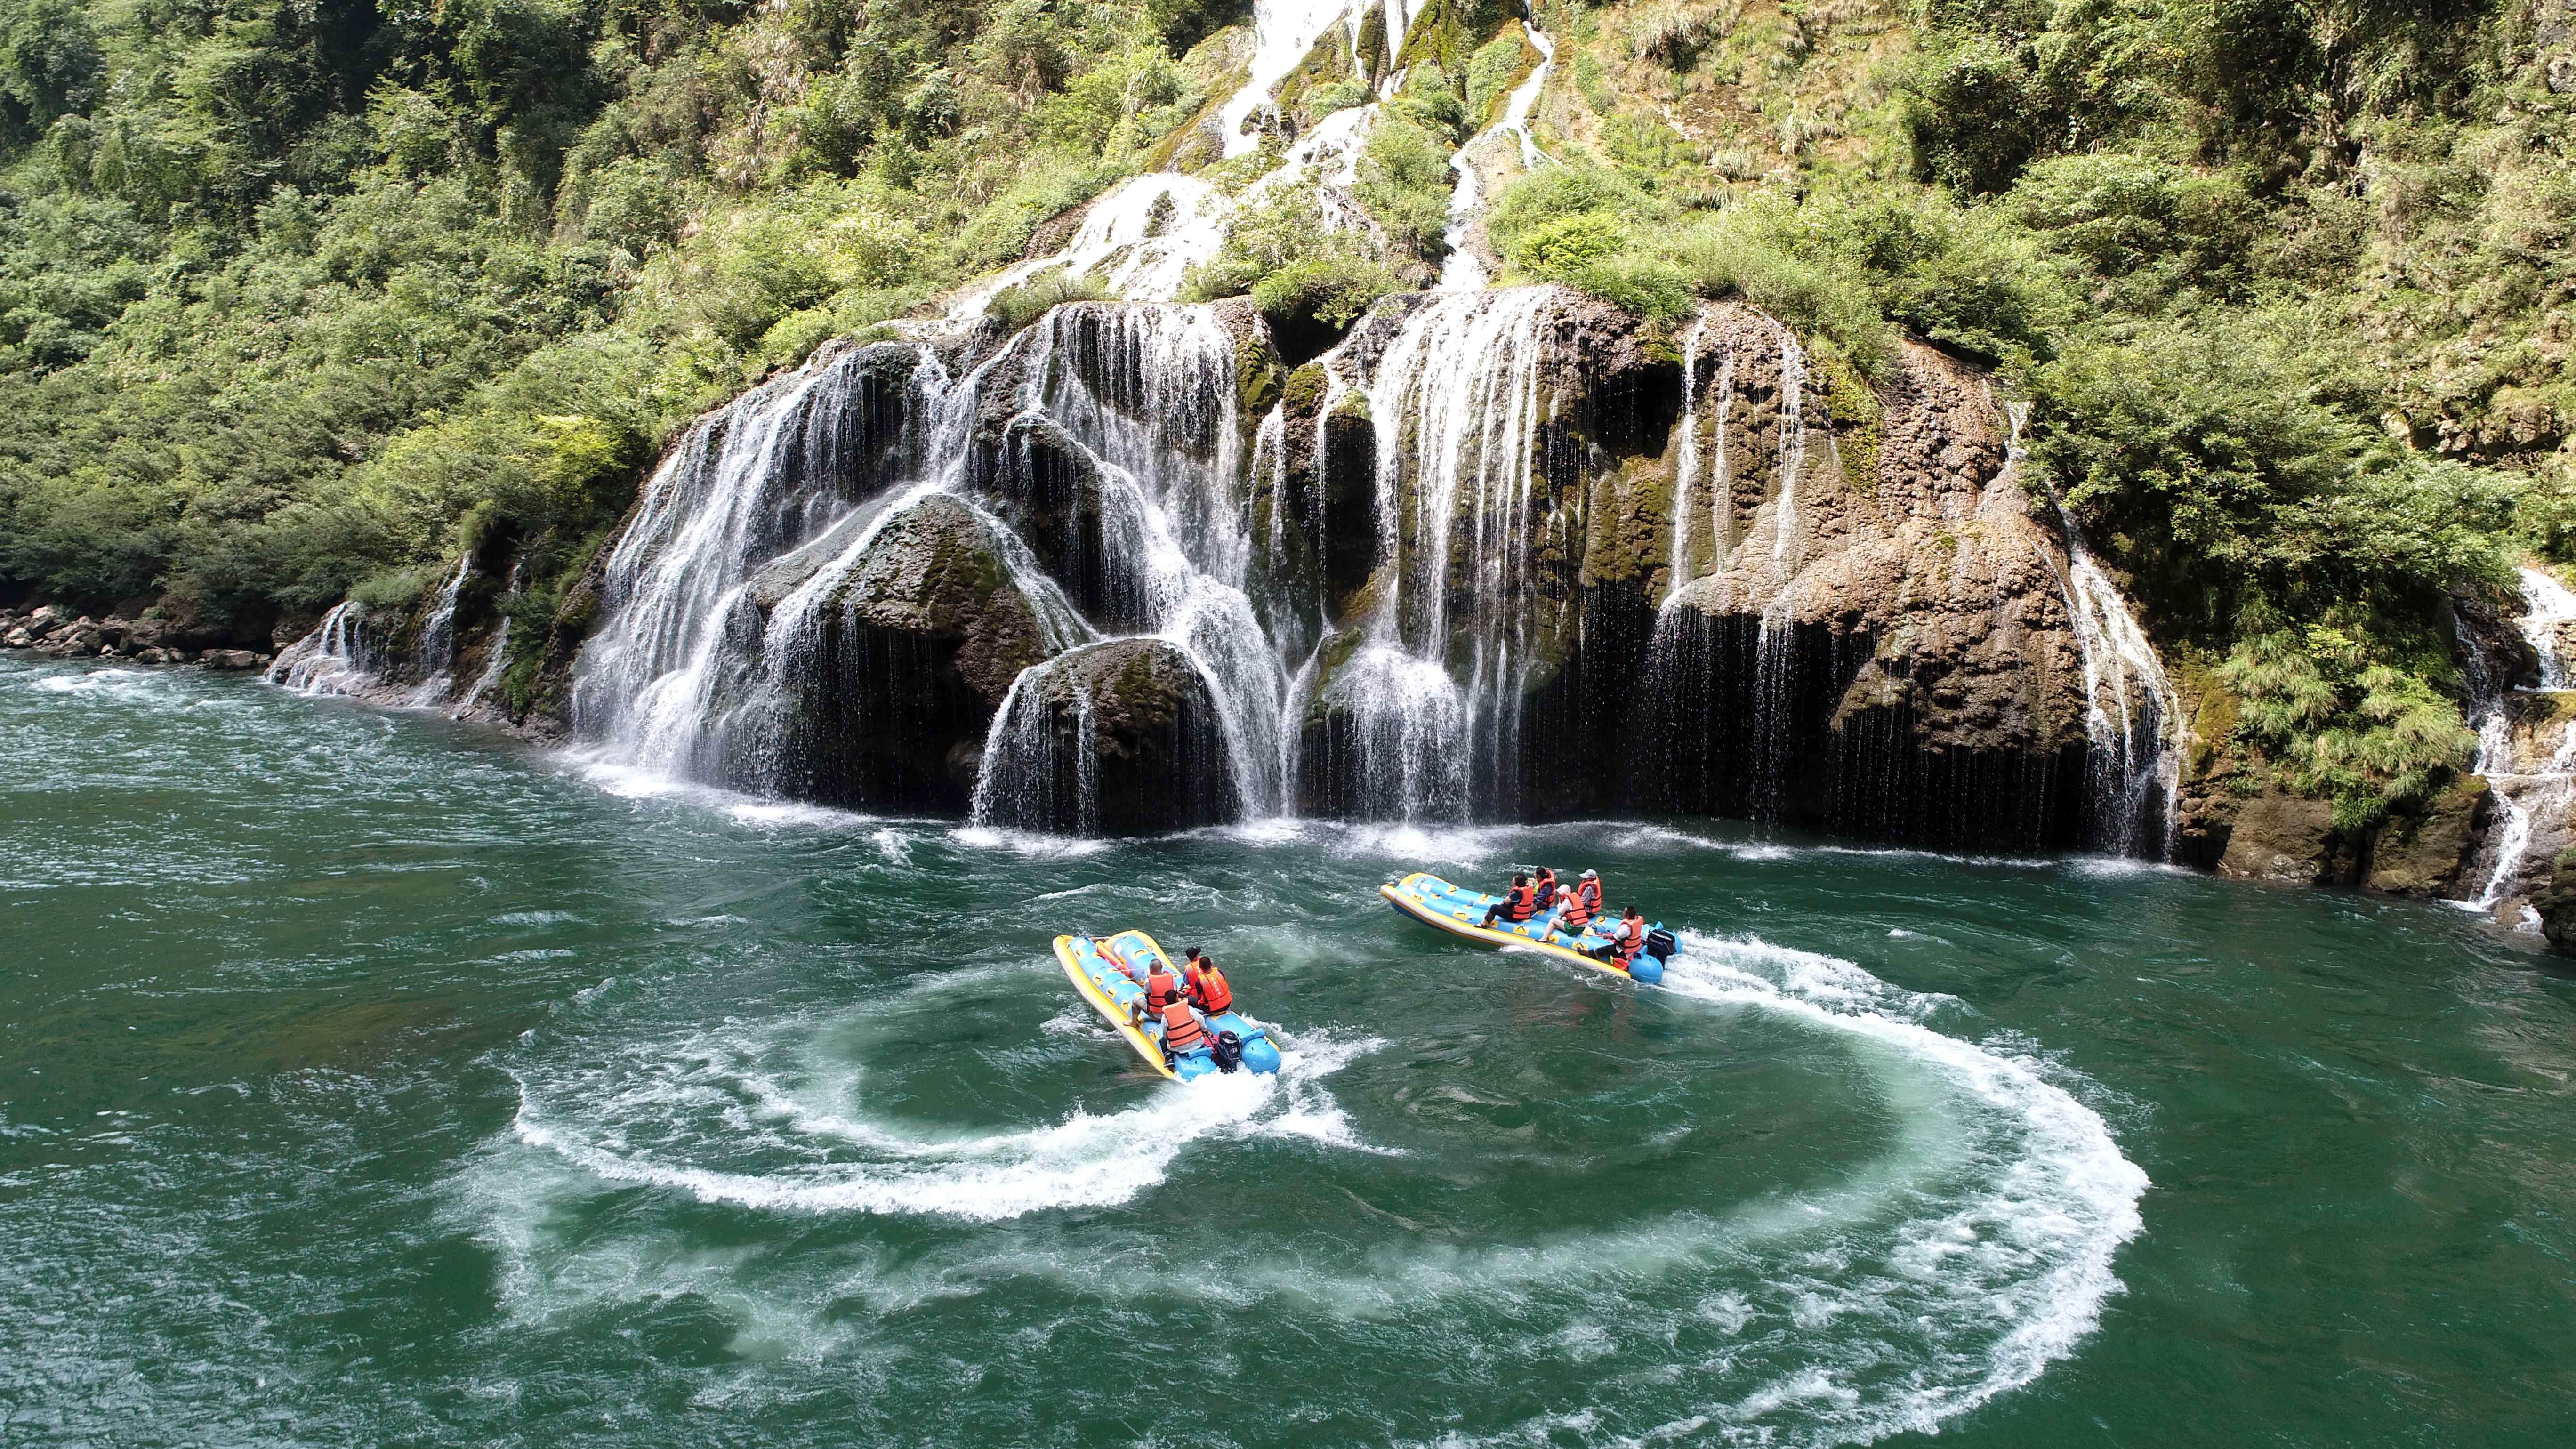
x: 1518, y: 904
x: 1546, y: 894
x: 1208, y: 989
x: 1630, y: 937
x: 1589, y: 887
x: 1181, y: 1029
x: 1573, y: 912
x: 1161, y: 987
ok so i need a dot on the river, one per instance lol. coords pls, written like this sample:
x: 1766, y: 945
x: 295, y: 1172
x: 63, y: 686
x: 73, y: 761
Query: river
x: 372, y: 1079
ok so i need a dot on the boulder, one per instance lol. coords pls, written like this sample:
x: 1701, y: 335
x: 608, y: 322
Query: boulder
x: 2283, y: 838
x: 1120, y: 738
x: 899, y: 667
x: 2555, y: 903
x: 18, y: 638
x: 2422, y: 853
x: 1050, y: 489
x: 229, y: 659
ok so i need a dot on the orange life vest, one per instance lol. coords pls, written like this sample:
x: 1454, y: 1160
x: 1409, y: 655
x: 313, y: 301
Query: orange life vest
x: 1209, y: 989
x: 1577, y: 912
x: 1590, y: 891
x: 1520, y: 903
x: 1161, y: 987
x: 1631, y: 938
x: 1181, y: 1029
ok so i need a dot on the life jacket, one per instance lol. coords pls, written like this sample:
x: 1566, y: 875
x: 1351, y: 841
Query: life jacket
x: 1630, y: 938
x: 1161, y: 987
x: 1209, y: 989
x: 1520, y: 903
x: 1181, y: 1029
x: 1546, y: 890
x: 1590, y: 891
x: 1576, y: 913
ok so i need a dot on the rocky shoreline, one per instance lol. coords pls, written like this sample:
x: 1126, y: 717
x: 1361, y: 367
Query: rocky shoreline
x: 58, y: 633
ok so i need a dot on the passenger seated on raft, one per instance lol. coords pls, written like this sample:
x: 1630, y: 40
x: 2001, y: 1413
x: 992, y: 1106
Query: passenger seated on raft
x: 1546, y: 888
x: 1161, y: 987
x: 1630, y: 936
x: 1573, y: 912
x: 1517, y: 905
x: 1590, y: 891
x: 1181, y: 1029
x: 1207, y: 987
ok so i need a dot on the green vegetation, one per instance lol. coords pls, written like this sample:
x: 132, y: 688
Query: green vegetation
x: 297, y: 299
x: 2287, y: 290
x: 302, y: 299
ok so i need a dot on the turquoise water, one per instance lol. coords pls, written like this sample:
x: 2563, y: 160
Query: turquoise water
x: 370, y: 1079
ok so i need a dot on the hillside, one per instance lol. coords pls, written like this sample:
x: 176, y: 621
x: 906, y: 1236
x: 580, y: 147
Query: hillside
x: 300, y: 302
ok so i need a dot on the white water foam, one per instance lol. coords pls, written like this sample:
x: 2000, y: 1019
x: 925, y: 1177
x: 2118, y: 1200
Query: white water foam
x: 682, y: 1116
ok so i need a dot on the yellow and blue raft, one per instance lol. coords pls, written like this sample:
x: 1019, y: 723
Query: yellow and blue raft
x: 1461, y: 912
x: 1110, y: 974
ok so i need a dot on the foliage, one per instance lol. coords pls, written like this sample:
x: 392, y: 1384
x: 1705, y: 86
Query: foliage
x: 1332, y: 291
x: 296, y: 299
x: 1404, y: 183
x: 1025, y: 302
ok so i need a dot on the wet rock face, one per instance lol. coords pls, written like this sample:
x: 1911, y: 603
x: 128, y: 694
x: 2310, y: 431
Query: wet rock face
x: 911, y: 654
x: 1049, y: 490
x: 1120, y: 738
x: 1509, y: 555
x: 1700, y: 610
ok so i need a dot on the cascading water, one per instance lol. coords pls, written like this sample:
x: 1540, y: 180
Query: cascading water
x: 335, y: 658
x: 1148, y: 394
x: 437, y: 651
x: 2133, y: 718
x: 2536, y: 801
x: 1433, y: 692
x: 1462, y: 270
x: 1785, y: 553
x: 497, y: 662
x: 1283, y: 32
x: 763, y: 476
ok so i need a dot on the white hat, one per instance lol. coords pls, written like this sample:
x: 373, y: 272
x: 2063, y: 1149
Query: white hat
x: 1591, y: 875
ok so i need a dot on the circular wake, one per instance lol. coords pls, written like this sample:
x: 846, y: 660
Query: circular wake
x: 1874, y: 1225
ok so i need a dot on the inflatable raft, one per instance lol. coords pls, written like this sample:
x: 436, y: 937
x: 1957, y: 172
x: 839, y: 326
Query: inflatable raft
x: 1461, y: 912
x: 1110, y: 974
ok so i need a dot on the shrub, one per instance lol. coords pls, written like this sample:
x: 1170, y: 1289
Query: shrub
x: 1552, y: 192
x: 1332, y: 291
x: 1742, y: 253
x: 1019, y: 305
x: 1404, y: 182
x: 1651, y: 287
x: 1558, y: 249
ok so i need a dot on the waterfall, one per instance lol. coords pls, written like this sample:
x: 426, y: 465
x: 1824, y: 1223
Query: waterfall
x: 1149, y: 393
x: 2535, y: 799
x: 334, y: 659
x: 1034, y: 773
x: 436, y: 655
x: 1525, y: 95
x: 1793, y: 451
x: 1677, y: 569
x: 1461, y: 270
x: 763, y: 476
x: 2133, y: 719
x: 1455, y: 405
x: 1283, y: 32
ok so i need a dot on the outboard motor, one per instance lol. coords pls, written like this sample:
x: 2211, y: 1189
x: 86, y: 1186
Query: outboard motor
x: 1227, y: 1049
x: 1661, y: 946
